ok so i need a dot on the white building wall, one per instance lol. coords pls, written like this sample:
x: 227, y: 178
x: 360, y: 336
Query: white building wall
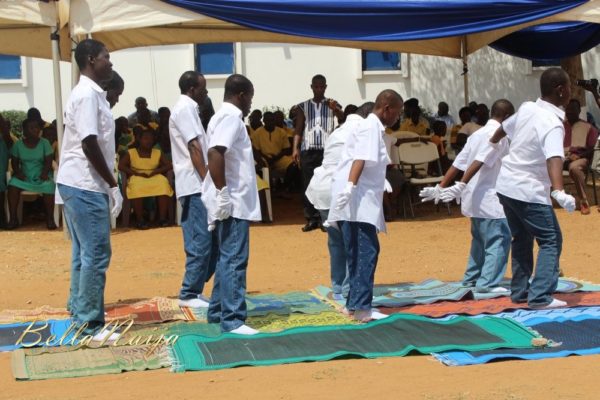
x: 281, y: 75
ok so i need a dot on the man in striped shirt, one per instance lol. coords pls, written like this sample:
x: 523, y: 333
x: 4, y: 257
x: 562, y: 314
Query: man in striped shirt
x: 315, y: 120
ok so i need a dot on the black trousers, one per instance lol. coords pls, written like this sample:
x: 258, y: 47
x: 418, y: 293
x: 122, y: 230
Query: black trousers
x: 309, y: 160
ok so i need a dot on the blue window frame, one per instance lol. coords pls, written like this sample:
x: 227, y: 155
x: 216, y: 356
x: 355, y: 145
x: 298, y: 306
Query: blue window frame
x: 10, y: 67
x: 380, y: 61
x: 215, y: 58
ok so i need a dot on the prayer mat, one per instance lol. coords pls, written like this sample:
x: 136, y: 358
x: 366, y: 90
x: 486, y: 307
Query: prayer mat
x: 571, y: 331
x: 157, y: 309
x: 283, y: 304
x: 393, y: 336
x: 489, y: 306
x: 38, y: 314
x: 34, y: 334
x: 66, y: 362
x: 426, y: 292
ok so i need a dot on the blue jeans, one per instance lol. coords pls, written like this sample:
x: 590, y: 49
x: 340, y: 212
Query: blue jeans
x: 362, y: 249
x: 530, y: 221
x: 88, y: 219
x: 490, y: 245
x: 228, y: 300
x: 340, y: 282
x: 200, y: 247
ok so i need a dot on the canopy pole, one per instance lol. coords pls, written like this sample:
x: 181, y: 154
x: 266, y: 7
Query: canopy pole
x: 74, y: 67
x: 465, y: 73
x: 55, y: 37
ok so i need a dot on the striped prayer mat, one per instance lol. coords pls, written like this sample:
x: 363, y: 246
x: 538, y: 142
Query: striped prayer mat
x: 393, y: 336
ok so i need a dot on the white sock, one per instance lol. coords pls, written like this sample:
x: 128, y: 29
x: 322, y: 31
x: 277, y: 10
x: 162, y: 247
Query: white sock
x: 193, y: 303
x: 244, y: 330
x: 103, y: 336
x: 499, y: 289
x: 375, y: 314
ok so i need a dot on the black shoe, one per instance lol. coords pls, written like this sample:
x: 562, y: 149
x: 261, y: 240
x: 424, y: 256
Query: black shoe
x: 310, y: 226
x: 323, y: 229
x: 142, y: 225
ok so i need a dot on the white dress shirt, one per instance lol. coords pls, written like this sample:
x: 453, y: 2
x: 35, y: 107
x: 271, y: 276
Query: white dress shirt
x: 184, y: 126
x: 87, y: 113
x: 536, y: 133
x: 479, y: 199
x: 366, y: 204
x: 227, y: 129
x: 318, y: 191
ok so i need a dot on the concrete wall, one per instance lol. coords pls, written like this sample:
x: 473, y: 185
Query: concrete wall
x: 281, y: 75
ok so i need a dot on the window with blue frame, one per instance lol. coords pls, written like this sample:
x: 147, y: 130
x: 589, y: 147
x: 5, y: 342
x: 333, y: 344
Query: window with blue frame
x: 215, y: 58
x: 10, y: 67
x: 380, y: 61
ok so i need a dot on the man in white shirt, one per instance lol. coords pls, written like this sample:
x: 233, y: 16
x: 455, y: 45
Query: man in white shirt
x: 490, y: 242
x: 532, y: 168
x: 318, y: 193
x: 189, y: 151
x: 87, y: 186
x: 357, y: 200
x: 231, y: 198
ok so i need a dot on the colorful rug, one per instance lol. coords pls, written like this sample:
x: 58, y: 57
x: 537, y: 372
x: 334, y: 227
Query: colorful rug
x: 572, y: 332
x: 393, y: 336
x: 43, y: 313
x: 157, y: 309
x: 27, y: 334
x: 283, y: 304
x: 51, y: 363
x: 488, y: 306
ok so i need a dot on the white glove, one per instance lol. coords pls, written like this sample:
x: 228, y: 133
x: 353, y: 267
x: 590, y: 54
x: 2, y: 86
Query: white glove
x: 116, y: 201
x: 431, y: 193
x: 223, y: 204
x: 453, y: 192
x: 344, y: 196
x: 387, y: 187
x: 564, y: 200
x: 211, y: 227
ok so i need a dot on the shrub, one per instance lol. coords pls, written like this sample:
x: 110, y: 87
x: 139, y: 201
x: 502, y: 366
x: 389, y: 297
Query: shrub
x: 16, y: 118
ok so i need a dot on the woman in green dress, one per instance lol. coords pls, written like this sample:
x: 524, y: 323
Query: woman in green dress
x: 31, y: 160
x: 5, y: 145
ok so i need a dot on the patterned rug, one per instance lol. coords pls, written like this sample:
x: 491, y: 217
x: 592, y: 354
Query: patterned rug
x: 572, y: 332
x: 488, y: 306
x: 26, y: 334
x: 393, y: 336
x: 283, y: 304
x: 65, y: 362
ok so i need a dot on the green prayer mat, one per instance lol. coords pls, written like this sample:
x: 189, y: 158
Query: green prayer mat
x: 66, y: 362
x: 393, y: 336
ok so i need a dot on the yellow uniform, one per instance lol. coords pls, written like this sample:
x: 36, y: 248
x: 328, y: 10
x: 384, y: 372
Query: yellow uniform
x: 272, y: 143
x: 138, y: 186
x: 421, y: 128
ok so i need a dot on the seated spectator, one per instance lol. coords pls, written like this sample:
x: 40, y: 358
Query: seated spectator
x: 163, y: 141
x: 141, y: 105
x: 31, y: 160
x: 443, y: 115
x: 49, y: 133
x: 280, y: 123
x: 466, y: 130
x: 274, y: 147
x: 146, y: 120
x: 393, y: 173
x: 438, y: 138
x: 254, y: 122
x: 35, y: 115
x: 145, y: 166
x: 465, y: 117
x: 580, y: 139
x: 123, y: 135
x: 413, y: 121
x: 482, y: 114
x: 6, y: 143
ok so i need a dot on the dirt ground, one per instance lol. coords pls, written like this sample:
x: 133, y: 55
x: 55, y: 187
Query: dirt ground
x: 34, y: 270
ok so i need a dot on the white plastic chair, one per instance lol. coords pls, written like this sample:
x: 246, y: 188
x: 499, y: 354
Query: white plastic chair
x: 416, y: 153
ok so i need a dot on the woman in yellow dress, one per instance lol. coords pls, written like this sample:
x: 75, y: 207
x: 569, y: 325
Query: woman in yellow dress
x: 145, y: 166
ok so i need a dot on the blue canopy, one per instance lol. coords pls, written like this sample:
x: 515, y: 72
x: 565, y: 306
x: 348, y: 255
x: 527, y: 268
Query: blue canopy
x: 550, y: 41
x: 377, y: 20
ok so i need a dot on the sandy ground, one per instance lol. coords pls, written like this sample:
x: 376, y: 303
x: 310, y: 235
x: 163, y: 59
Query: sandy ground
x: 34, y: 270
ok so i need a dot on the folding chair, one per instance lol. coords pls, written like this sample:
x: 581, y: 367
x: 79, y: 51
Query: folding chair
x: 417, y: 153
